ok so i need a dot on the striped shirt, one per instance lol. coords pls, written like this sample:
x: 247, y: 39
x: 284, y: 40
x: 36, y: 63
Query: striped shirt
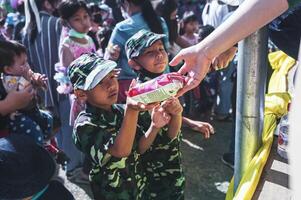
x: 43, y: 53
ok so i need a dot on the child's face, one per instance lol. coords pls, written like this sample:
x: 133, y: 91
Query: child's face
x: 19, y: 67
x: 154, y: 58
x: 105, y: 93
x: 192, y: 27
x: 80, y: 21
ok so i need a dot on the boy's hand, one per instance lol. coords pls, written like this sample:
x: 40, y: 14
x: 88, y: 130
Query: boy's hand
x: 159, y: 117
x: 203, y: 127
x: 39, y: 80
x: 172, y: 106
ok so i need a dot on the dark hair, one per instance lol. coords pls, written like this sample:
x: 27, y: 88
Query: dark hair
x: 164, y: 9
x: 69, y: 7
x: 33, y: 24
x: 8, y: 51
x: 149, y: 15
x: 204, y: 31
x: 190, y: 17
x: 104, y: 35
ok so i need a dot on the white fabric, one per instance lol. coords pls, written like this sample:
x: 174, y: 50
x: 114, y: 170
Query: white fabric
x: 215, y: 15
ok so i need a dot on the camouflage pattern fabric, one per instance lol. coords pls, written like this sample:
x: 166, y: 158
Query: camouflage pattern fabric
x: 137, y: 44
x: 94, y: 133
x: 162, y: 165
x: 88, y: 70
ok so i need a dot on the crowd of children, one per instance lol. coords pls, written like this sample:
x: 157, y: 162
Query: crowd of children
x: 72, y: 72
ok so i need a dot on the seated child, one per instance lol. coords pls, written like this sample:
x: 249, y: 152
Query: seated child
x: 27, y: 170
x: 17, y: 75
x: 111, y: 135
x: 162, y: 161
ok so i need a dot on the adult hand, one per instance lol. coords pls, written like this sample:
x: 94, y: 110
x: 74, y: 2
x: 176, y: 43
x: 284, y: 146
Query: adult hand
x: 16, y: 100
x: 196, y: 66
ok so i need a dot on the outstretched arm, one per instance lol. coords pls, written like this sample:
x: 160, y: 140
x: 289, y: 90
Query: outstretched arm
x: 249, y: 17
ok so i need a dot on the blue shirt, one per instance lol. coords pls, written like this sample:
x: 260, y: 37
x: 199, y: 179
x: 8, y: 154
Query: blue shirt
x: 122, y: 32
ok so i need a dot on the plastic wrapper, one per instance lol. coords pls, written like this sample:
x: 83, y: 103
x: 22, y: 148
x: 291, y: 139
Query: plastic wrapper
x: 158, y: 89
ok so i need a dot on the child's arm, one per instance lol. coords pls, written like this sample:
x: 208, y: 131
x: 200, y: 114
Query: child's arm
x: 159, y: 119
x: 66, y: 56
x: 203, y: 127
x: 122, y: 146
x: 174, y: 108
x: 124, y: 141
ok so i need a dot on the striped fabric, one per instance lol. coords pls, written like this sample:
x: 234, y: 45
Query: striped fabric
x: 43, y: 53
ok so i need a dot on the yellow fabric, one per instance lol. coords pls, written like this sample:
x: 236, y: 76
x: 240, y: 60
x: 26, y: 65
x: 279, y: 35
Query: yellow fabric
x: 251, y: 177
x: 281, y: 63
x: 276, y: 102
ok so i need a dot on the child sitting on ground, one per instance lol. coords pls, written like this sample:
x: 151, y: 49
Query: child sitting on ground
x: 111, y: 135
x: 162, y: 161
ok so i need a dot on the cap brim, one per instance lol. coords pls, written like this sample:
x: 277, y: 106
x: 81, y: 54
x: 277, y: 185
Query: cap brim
x: 231, y: 2
x: 98, y: 73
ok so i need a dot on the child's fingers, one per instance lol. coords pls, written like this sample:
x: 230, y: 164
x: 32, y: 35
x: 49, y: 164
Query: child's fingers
x: 210, y: 127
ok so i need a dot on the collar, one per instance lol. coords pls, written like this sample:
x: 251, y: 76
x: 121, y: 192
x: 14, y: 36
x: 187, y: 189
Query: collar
x: 145, y: 75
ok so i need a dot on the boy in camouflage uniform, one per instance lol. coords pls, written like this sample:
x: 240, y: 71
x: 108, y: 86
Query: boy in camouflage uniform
x: 109, y: 133
x: 162, y: 161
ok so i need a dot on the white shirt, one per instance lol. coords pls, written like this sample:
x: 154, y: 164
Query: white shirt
x: 214, y: 13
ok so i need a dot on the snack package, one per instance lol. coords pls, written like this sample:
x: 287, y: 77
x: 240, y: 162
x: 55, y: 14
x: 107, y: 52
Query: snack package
x: 158, y: 89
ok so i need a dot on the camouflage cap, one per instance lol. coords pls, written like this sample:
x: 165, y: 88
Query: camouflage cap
x: 88, y: 70
x: 137, y: 44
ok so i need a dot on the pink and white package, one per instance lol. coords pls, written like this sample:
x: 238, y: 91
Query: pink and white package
x: 158, y: 89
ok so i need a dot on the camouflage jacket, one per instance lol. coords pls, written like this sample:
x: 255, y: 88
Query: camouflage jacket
x: 95, y: 131
x: 162, y: 164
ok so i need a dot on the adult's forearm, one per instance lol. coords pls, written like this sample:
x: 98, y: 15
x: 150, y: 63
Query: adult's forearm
x: 249, y: 17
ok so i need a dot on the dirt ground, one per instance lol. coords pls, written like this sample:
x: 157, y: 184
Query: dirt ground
x: 207, y: 178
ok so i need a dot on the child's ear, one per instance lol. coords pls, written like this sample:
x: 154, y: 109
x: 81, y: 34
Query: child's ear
x: 81, y: 95
x: 134, y: 65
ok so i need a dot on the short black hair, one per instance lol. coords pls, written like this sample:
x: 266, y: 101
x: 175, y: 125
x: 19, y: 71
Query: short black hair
x: 8, y: 51
x: 68, y: 8
x: 190, y: 17
x: 204, y: 31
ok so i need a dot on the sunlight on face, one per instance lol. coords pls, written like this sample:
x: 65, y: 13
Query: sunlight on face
x: 154, y: 58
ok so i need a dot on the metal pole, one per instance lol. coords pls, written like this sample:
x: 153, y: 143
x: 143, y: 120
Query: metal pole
x: 251, y: 80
